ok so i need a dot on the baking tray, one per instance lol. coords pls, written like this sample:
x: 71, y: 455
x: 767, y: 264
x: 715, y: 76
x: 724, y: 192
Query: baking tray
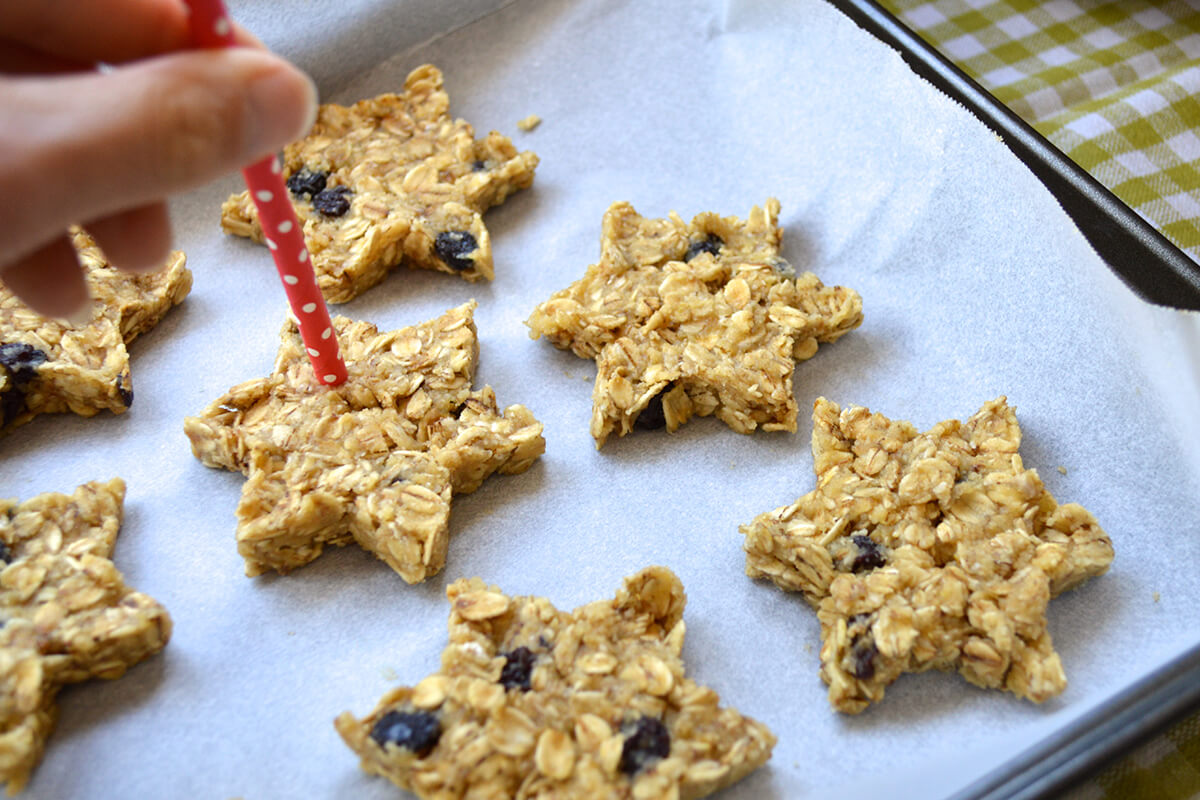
x: 1159, y: 272
x: 965, y: 264
x: 1133, y: 248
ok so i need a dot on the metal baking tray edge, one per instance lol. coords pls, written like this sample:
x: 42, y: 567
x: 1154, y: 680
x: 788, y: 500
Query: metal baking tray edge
x: 1137, y: 253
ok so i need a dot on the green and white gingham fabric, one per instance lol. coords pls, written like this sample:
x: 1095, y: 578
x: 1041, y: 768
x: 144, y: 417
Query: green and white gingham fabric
x: 1114, y: 85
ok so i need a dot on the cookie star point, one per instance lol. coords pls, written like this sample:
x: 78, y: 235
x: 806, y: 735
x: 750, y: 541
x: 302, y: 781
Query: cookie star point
x: 927, y: 550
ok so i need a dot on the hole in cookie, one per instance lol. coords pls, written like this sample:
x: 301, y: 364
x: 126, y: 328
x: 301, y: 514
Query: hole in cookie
x: 711, y: 244
x: 653, y: 416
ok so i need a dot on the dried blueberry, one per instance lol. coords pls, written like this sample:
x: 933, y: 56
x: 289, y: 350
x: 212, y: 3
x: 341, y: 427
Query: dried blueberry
x: 653, y: 416
x: 125, y: 389
x: 308, y: 183
x: 869, y: 555
x: 711, y: 244
x: 5, y: 553
x: 332, y: 202
x: 518, y: 667
x: 862, y: 657
x: 417, y: 731
x: 21, y: 362
x: 12, y: 403
x: 645, y: 740
x: 454, y: 247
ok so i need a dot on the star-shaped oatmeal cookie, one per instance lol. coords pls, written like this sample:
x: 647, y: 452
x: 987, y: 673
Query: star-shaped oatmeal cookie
x: 391, y: 179
x: 701, y: 318
x: 67, y: 614
x: 927, y: 550
x: 375, y: 459
x: 540, y: 703
x: 50, y: 366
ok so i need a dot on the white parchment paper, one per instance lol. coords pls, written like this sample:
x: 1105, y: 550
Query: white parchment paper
x: 974, y: 284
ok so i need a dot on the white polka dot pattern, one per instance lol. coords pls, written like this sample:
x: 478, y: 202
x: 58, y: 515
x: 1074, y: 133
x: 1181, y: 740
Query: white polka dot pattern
x: 210, y: 27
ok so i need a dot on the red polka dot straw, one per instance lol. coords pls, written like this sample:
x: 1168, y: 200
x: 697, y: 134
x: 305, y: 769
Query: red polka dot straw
x: 210, y: 27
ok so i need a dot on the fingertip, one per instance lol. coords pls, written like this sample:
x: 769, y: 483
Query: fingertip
x: 137, y: 240
x: 50, y: 280
x: 283, y: 104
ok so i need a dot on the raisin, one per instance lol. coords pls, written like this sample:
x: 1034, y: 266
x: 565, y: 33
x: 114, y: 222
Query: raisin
x: 653, y: 416
x: 862, y: 657
x: 454, y: 247
x: 124, y: 389
x: 480, y: 165
x: 869, y: 555
x: 711, y: 244
x: 5, y: 553
x: 21, y: 361
x: 332, y: 202
x: 308, y: 183
x: 646, y: 740
x: 417, y: 731
x: 518, y: 668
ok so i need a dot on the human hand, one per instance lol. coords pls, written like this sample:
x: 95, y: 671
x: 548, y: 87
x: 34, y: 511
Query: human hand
x: 103, y: 148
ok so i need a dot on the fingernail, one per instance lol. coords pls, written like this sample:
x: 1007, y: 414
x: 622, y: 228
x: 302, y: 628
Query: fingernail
x: 283, y: 107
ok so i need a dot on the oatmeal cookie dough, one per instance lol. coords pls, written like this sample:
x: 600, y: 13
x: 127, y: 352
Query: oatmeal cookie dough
x: 391, y: 179
x: 693, y: 319
x: 67, y: 614
x: 536, y: 702
x: 51, y: 366
x: 375, y: 459
x: 927, y: 550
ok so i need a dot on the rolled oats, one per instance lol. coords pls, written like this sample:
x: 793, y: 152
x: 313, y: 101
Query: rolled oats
x: 50, y: 366
x: 563, y: 728
x: 391, y: 179
x: 374, y: 460
x: 927, y: 550
x: 693, y: 319
x: 67, y: 614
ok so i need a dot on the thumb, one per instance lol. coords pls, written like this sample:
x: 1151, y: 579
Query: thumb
x: 85, y: 146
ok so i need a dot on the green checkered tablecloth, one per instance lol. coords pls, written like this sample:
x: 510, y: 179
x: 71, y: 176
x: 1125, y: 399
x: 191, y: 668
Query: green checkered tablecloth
x: 1114, y: 85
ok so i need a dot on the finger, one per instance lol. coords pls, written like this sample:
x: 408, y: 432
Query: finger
x: 87, y: 146
x: 17, y: 59
x: 137, y: 240
x: 67, y: 29
x: 49, y: 280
